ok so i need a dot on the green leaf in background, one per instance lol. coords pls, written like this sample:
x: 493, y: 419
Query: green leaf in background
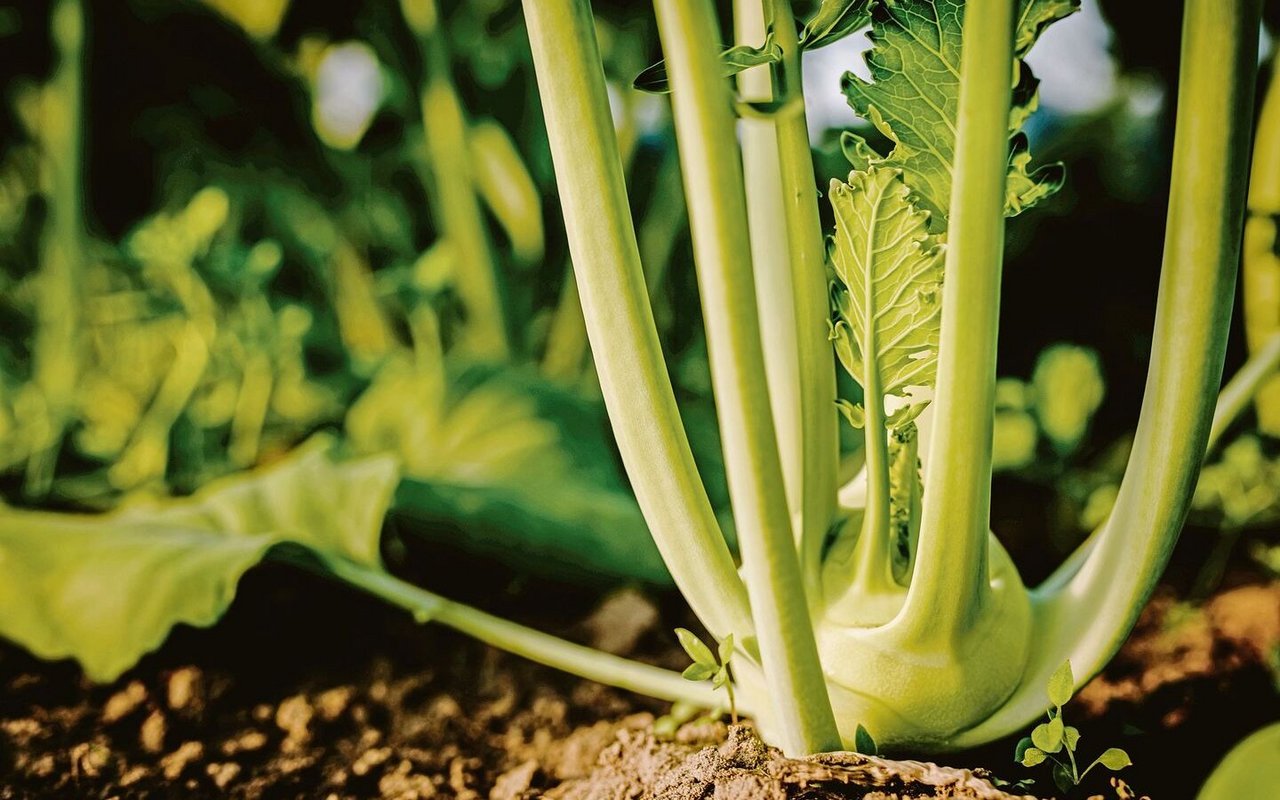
x: 834, y: 20
x: 889, y: 305
x: 732, y: 61
x: 915, y: 38
x: 1251, y: 769
x: 107, y: 589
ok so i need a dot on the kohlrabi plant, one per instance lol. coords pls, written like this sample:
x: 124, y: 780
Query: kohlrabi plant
x: 886, y: 603
x: 884, y: 607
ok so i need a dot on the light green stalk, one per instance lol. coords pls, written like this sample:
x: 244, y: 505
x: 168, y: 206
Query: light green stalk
x: 950, y: 576
x: 718, y: 220
x: 1261, y: 242
x: 1243, y: 387
x: 457, y: 206
x: 771, y: 256
x: 633, y: 376
x: 532, y: 644
x: 56, y: 350
x: 1085, y: 611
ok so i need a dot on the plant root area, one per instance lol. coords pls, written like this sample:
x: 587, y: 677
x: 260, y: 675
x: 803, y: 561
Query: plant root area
x: 308, y: 690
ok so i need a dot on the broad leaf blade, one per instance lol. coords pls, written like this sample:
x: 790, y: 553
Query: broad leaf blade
x: 888, y: 306
x: 914, y: 92
x: 107, y: 589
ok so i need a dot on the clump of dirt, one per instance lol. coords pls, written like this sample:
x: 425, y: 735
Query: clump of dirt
x: 708, y: 762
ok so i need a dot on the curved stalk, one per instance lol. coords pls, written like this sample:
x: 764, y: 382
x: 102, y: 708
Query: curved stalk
x: 1085, y: 611
x: 458, y: 207
x: 1244, y: 386
x: 1261, y: 242
x: 950, y: 576
x: 633, y: 376
x: 718, y: 220
x: 534, y: 645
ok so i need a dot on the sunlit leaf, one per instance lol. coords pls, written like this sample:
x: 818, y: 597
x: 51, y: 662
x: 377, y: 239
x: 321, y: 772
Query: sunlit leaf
x: 107, y: 589
x: 698, y: 651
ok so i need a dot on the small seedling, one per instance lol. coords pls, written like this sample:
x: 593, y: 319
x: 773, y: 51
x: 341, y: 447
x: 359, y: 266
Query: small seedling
x: 1049, y: 741
x: 710, y: 666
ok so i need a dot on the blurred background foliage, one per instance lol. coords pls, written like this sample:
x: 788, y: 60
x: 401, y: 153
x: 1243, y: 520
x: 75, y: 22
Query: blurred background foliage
x: 226, y: 225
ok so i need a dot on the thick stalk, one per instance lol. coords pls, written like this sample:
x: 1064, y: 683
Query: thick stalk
x: 950, y: 576
x: 633, y: 376
x: 819, y: 436
x: 55, y: 349
x: 458, y: 208
x: 1084, y: 611
x: 771, y: 256
x: 718, y: 221
x: 534, y: 645
x: 1262, y: 246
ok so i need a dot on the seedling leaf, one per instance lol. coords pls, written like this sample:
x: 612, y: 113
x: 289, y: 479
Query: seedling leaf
x: 698, y: 651
x: 1033, y: 756
x: 725, y: 650
x: 1048, y: 736
x: 1062, y: 778
x: 863, y: 742
x: 1071, y: 737
x: 698, y: 672
x: 1114, y: 759
x: 1061, y: 685
x: 888, y: 302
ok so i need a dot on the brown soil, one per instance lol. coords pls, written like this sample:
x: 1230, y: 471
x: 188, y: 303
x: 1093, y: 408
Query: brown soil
x: 309, y: 691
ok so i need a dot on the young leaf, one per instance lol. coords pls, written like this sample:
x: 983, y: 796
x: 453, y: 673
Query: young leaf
x: 1071, y: 738
x: 915, y: 38
x: 1020, y: 749
x: 834, y: 20
x: 1062, y: 777
x: 698, y: 651
x: 654, y: 79
x: 107, y: 589
x: 720, y: 678
x: 1061, y: 684
x: 888, y: 306
x: 725, y: 650
x: 1033, y: 756
x: 1048, y: 736
x: 863, y: 742
x: 1114, y: 759
x: 697, y: 672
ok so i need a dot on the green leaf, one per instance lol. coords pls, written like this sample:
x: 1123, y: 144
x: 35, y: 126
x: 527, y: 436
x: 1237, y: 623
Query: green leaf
x: 1048, y: 736
x: 834, y: 20
x: 654, y: 79
x: 725, y: 650
x: 698, y: 672
x: 1020, y: 749
x: 913, y: 98
x: 1071, y: 738
x: 1114, y: 759
x: 888, y: 300
x: 107, y: 589
x: 1062, y: 778
x: 1061, y: 685
x: 1032, y: 756
x: 863, y: 743
x: 720, y: 678
x: 698, y: 651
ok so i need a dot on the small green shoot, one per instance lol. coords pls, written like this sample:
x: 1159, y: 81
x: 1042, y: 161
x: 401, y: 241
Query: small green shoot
x: 863, y: 742
x: 1050, y: 741
x: 710, y: 666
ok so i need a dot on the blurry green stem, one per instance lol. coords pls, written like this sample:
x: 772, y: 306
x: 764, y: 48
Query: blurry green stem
x: 1262, y: 246
x: 633, y: 376
x: 1243, y: 387
x: 56, y: 357
x: 718, y: 222
x: 457, y: 206
x: 950, y: 577
x: 576, y: 659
